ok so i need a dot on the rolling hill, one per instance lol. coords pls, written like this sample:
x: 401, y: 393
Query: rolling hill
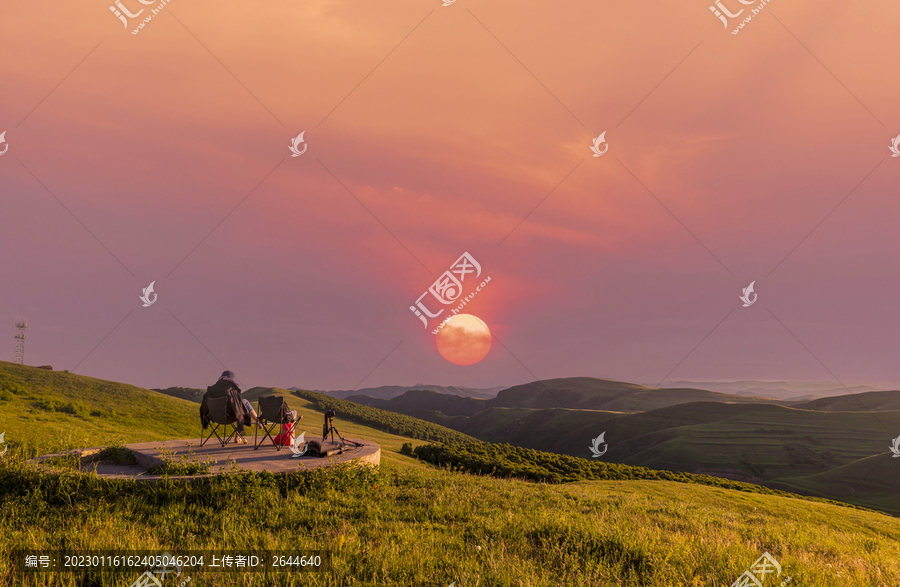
x: 576, y: 393
x: 747, y: 439
x: 858, y: 402
x: 55, y: 410
x: 786, y: 390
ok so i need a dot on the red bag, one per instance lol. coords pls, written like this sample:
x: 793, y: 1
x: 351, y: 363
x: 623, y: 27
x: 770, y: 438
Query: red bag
x: 285, y: 437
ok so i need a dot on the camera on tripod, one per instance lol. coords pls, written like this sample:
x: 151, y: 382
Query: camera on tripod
x: 329, y: 425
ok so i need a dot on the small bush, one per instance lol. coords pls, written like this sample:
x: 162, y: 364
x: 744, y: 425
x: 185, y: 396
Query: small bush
x: 6, y: 395
x: 76, y: 408
x: 406, y: 449
x: 13, y: 388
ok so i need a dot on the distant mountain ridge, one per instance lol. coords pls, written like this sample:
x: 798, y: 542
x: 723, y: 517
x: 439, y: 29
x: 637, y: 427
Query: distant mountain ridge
x: 391, y: 391
x: 574, y: 393
x: 790, y: 390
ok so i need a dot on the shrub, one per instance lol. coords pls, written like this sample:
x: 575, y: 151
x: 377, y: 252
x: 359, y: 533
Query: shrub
x: 13, y: 388
x: 76, y: 408
x: 406, y: 449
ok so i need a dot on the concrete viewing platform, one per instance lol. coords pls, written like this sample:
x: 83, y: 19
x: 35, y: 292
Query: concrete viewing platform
x: 231, y: 457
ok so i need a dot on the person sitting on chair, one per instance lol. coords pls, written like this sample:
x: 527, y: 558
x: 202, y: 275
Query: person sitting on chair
x: 239, y: 409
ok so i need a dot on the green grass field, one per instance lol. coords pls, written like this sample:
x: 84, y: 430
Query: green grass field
x: 411, y: 525
x: 837, y: 455
x: 47, y: 411
x: 405, y: 523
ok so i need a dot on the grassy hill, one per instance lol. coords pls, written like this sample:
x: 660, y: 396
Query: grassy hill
x: 53, y: 410
x: 409, y: 523
x: 766, y: 443
x: 871, y: 482
x: 760, y: 443
x: 416, y: 401
x: 870, y: 401
x: 384, y: 420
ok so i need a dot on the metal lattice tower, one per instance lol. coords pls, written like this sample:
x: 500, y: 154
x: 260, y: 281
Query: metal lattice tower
x: 20, y: 343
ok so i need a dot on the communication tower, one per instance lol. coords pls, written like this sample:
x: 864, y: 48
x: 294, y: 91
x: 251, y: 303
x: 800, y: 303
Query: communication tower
x: 20, y: 343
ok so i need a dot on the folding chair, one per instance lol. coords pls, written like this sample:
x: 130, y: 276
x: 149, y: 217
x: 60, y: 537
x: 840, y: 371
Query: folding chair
x: 273, y: 411
x: 217, y: 411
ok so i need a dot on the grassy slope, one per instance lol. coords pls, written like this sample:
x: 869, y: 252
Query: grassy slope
x: 417, y: 526
x: 770, y: 443
x: 875, y: 483
x: 858, y: 402
x: 123, y: 413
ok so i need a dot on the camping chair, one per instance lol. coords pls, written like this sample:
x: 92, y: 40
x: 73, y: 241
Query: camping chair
x: 217, y: 411
x: 273, y: 411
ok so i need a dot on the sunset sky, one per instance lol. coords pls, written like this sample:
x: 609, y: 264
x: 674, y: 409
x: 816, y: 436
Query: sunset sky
x: 433, y: 131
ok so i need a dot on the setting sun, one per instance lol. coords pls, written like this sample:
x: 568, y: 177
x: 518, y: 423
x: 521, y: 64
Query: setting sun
x: 464, y: 340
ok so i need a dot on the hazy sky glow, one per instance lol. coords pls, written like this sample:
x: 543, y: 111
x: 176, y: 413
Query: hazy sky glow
x: 447, y: 145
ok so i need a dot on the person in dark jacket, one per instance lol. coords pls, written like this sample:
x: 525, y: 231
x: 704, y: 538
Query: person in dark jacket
x: 239, y: 409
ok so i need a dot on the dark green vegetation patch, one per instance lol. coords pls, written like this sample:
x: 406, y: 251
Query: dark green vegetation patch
x: 385, y: 421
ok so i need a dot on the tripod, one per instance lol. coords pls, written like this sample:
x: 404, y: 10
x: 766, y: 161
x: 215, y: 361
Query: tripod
x: 328, y: 428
